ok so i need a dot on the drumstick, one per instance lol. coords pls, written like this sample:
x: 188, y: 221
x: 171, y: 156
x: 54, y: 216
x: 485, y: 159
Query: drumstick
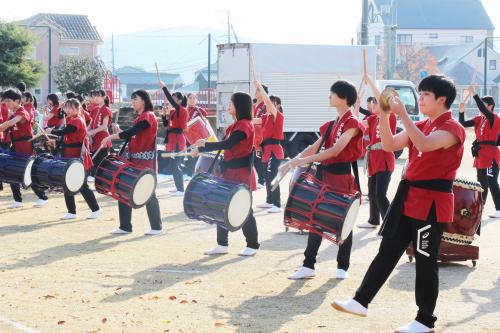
x: 473, y: 81
x: 364, y: 71
x: 279, y: 177
x: 157, y: 73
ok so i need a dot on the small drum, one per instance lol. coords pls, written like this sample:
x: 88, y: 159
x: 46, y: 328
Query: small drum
x: 123, y: 180
x: 313, y: 206
x: 16, y: 169
x: 204, y: 162
x: 468, y: 205
x: 216, y: 200
x: 258, y: 135
x: 197, y: 128
x: 66, y: 174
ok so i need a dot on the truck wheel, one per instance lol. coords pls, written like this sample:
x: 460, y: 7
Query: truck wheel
x: 301, y: 142
x: 399, y: 152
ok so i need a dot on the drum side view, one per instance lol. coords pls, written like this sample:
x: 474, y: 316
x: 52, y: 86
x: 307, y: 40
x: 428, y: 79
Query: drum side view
x: 16, y: 169
x: 65, y: 174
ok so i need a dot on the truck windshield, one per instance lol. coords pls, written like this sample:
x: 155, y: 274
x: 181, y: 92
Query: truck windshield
x: 408, y: 97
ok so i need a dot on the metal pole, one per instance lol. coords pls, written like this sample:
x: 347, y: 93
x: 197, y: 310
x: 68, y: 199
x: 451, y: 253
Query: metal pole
x: 50, y: 59
x: 209, y: 69
x: 113, y: 52
x: 364, y: 23
x: 485, y: 65
x: 228, y: 29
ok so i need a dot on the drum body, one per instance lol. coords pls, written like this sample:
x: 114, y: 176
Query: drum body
x: 204, y: 162
x: 313, y: 206
x: 16, y: 169
x: 198, y: 128
x: 126, y: 182
x: 468, y: 205
x: 66, y: 174
x: 216, y: 200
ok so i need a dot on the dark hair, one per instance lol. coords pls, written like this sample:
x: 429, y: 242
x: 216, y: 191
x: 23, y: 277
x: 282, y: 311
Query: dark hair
x: 12, y: 94
x: 441, y: 86
x: 21, y: 86
x: 371, y: 99
x: 35, y: 102
x: 345, y: 90
x: 181, y: 97
x: 73, y: 102
x: 489, y: 100
x: 277, y: 100
x: 102, y: 93
x: 94, y: 93
x: 70, y: 95
x: 243, y: 104
x: 28, y: 96
x: 254, y: 100
x: 54, y: 99
x: 143, y: 94
x: 266, y: 89
x: 81, y: 99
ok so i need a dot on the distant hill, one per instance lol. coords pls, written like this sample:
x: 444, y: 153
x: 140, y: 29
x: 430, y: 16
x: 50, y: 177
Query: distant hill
x: 180, y: 50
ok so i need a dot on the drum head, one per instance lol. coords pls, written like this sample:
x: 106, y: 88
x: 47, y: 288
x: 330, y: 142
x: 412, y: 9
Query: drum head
x: 350, y: 218
x: 27, y: 173
x: 143, y: 189
x: 75, y: 176
x: 238, y: 208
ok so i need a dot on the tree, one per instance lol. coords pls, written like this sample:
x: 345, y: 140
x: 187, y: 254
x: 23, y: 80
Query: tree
x: 412, y: 60
x: 79, y: 74
x: 16, y: 44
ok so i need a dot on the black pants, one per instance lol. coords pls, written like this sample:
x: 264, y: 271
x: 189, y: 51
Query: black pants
x: 249, y: 230
x: 98, y: 159
x: 314, y: 242
x: 260, y: 169
x: 273, y: 197
x: 152, y: 208
x: 16, y: 192
x: 190, y: 165
x: 4, y: 146
x: 426, y: 239
x: 177, y: 173
x: 87, y: 194
x: 377, y: 194
x: 489, y: 180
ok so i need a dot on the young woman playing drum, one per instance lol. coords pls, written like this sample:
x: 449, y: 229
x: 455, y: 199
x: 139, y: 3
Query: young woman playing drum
x: 176, y: 123
x: 53, y: 114
x: 18, y: 128
x: 75, y: 139
x: 238, y: 161
x: 259, y: 109
x: 194, y: 111
x: 142, y: 152
x: 99, y: 130
x: 342, y: 147
x: 485, y: 148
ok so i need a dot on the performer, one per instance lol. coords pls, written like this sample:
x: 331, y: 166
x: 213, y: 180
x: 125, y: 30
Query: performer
x: 76, y: 145
x: 18, y: 127
x: 484, y: 149
x: 176, y: 123
x: 93, y: 107
x: 271, y: 149
x: 99, y: 130
x: 30, y: 105
x: 83, y: 110
x: 193, y: 112
x: 53, y: 115
x: 142, y: 152
x: 238, y: 147
x: 380, y: 163
x: 4, y: 112
x: 343, y: 147
x: 423, y: 203
x: 258, y: 112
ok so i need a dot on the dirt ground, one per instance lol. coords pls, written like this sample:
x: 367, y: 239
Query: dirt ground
x: 73, y: 276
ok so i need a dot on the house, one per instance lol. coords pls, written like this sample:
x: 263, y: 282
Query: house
x: 67, y: 35
x: 133, y: 78
x: 201, y: 77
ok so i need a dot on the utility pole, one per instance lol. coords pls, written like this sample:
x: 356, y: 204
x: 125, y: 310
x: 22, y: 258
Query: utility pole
x: 113, y: 52
x: 364, y: 23
x: 228, y: 29
x: 209, y: 50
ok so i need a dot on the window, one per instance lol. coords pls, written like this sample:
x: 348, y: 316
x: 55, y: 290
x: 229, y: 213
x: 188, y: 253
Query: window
x: 433, y: 35
x: 69, y: 51
x: 493, y: 65
x: 408, y: 97
x: 467, y: 39
x: 377, y: 40
x: 404, y: 39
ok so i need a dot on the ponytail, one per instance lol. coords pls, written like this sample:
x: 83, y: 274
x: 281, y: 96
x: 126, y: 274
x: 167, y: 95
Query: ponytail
x: 106, y: 100
x: 35, y: 103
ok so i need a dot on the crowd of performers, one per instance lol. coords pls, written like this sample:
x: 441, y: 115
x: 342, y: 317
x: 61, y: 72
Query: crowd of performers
x: 253, y: 155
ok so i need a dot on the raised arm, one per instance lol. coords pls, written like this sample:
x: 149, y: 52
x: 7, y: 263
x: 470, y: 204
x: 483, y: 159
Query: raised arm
x: 267, y: 101
x: 461, y: 117
x: 484, y: 110
x: 169, y: 96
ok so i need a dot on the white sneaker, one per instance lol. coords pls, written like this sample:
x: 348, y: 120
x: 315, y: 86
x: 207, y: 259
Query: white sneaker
x: 153, y: 232
x: 173, y: 190
x: 247, y: 252
x: 68, y: 216
x: 341, y: 274
x: 259, y: 186
x: 274, y: 209
x: 495, y: 215
x: 366, y: 225
x: 90, y: 179
x: 40, y: 203
x: 265, y: 205
x: 178, y: 194
x: 350, y: 306
x: 120, y: 232
x: 302, y: 273
x: 94, y: 215
x: 414, y: 327
x: 219, y: 249
x: 15, y: 204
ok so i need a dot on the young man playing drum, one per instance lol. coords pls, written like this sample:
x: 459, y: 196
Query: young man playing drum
x: 423, y: 202
x: 343, y: 146
x: 75, y: 140
x: 18, y: 128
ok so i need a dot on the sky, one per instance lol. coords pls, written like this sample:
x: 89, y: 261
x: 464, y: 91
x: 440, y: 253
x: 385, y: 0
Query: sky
x: 313, y: 22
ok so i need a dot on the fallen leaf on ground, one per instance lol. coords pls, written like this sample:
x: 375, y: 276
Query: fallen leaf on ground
x: 172, y: 298
x: 184, y: 302
x: 166, y: 322
x: 60, y: 322
x: 193, y: 282
x: 219, y: 324
x: 49, y: 296
x: 154, y: 298
x: 194, y: 301
x: 104, y: 320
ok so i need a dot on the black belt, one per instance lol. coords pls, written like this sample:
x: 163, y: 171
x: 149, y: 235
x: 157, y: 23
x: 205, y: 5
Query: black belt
x: 175, y: 130
x: 395, y: 211
x: 336, y: 168
x: 476, y: 146
x: 23, y: 138
x: 237, y: 163
x: 73, y: 145
x: 270, y: 142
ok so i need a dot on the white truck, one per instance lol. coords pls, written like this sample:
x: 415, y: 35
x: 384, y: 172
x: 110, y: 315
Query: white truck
x: 301, y: 75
